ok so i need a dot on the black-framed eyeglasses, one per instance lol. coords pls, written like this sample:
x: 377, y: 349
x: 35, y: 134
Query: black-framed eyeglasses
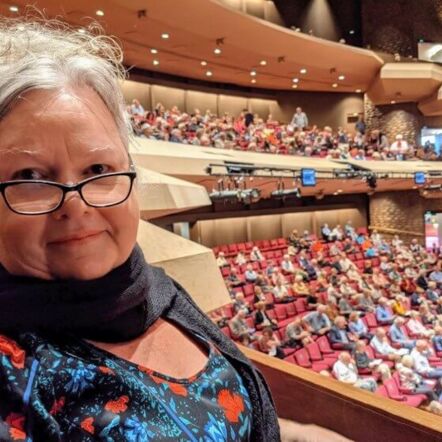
x: 39, y: 197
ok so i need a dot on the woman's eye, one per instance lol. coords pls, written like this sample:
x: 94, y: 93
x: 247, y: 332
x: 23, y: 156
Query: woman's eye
x: 28, y: 174
x: 99, y: 169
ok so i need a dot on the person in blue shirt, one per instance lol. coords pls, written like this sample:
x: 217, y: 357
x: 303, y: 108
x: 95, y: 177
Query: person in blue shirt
x: 326, y: 232
x: 357, y: 326
x: 398, y: 336
x: 437, y: 338
x: 384, y: 315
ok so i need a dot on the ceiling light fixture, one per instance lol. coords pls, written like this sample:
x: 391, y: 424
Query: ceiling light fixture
x: 351, y: 31
x: 217, y: 51
x: 263, y: 63
x: 358, y: 91
x: 156, y: 62
x: 13, y: 8
x: 341, y: 77
x: 209, y: 73
x: 99, y: 12
x: 81, y: 31
x: 253, y: 73
x: 335, y: 85
x: 253, y: 80
x: 303, y: 71
x: 154, y: 51
x: 165, y: 35
x: 295, y: 80
x: 294, y: 86
x: 392, y: 102
x: 204, y: 63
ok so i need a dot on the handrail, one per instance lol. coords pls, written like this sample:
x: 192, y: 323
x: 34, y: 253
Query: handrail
x: 395, y: 231
x: 307, y: 397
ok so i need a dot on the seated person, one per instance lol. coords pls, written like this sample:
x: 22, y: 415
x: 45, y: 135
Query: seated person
x: 240, y: 259
x: 287, y: 265
x: 338, y: 334
x: 400, y: 306
x: 318, y: 320
x: 278, y: 276
x: 411, y: 380
x: 365, y: 302
x: 418, y: 297
x: 294, y: 238
x: 298, y: 333
x: 262, y: 281
x: 363, y: 361
x: 334, y: 249
x: 384, y: 315
x: 239, y: 328
x: 398, y: 336
x: 269, y: 343
x: 421, y: 362
x: 416, y: 327
x: 312, y: 301
x: 281, y: 293
x: 368, y: 267
x: 256, y: 255
x: 336, y: 264
x: 427, y: 317
x: 258, y: 295
x: 437, y: 338
x: 344, y: 305
x: 250, y: 274
x: 306, y: 265
x: 261, y: 317
x: 240, y: 303
x: 221, y: 261
x: 326, y: 233
x: 432, y: 293
x: 345, y: 371
x: 357, y: 326
x: 380, y: 344
x: 346, y: 264
x: 233, y: 280
x: 300, y: 287
x: 292, y: 251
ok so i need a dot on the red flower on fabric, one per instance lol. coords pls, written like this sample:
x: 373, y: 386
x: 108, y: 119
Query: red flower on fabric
x: 232, y: 404
x: 106, y: 370
x: 117, y: 406
x: 57, y: 405
x: 10, y: 348
x: 178, y: 389
x: 16, y: 422
x: 88, y: 425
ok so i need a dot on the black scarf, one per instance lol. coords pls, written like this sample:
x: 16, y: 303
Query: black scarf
x: 112, y: 308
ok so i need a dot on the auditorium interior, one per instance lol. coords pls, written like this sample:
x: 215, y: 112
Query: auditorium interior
x: 288, y: 158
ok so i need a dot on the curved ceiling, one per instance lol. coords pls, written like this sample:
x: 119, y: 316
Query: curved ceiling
x: 196, y: 28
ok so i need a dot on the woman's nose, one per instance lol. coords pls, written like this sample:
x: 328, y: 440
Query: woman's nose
x: 72, y: 207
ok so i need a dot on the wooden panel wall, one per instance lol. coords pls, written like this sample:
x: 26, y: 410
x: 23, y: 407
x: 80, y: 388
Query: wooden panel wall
x: 228, y: 230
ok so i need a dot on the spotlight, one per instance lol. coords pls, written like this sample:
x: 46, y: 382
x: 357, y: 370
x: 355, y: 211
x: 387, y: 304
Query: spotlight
x: 248, y: 196
x: 283, y: 193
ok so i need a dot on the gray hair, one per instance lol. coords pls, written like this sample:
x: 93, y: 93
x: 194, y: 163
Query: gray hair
x: 36, y: 53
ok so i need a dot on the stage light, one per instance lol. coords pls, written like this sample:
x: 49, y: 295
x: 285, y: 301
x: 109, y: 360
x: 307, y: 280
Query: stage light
x: 351, y: 31
x: 282, y: 193
x: 248, y: 196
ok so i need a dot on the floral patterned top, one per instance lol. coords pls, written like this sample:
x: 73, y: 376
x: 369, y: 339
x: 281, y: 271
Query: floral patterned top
x: 69, y: 390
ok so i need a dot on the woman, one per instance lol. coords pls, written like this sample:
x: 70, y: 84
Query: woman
x: 269, y: 343
x: 85, y: 321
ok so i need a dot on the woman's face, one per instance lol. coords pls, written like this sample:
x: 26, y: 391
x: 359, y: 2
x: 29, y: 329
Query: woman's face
x: 65, y: 136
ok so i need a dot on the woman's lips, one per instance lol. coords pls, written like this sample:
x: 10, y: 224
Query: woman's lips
x: 76, y: 239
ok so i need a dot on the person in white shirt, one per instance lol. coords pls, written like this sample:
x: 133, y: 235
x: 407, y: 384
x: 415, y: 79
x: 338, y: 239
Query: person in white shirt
x: 337, y: 233
x: 381, y: 345
x: 345, y: 371
x: 240, y: 259
x: 421, y: 363
x: 346, y: 264
x: 281, y: 293
x: 399, y: 148
x: 287, y: 265
x: 416, y: 326
x: 256, y: 255
x: 221, y: 261
x: 136, y: 108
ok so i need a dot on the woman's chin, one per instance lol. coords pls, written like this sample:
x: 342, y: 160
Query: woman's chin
x: 83, y: 271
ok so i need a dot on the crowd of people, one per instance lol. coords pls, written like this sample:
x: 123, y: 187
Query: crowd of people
x: 249, y: 132
x: 377, y: 301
